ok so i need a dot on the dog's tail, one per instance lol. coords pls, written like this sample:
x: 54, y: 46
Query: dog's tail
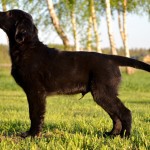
x: 124, y: 61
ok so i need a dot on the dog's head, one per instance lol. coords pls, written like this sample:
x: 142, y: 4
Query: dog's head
x: 18, y: 25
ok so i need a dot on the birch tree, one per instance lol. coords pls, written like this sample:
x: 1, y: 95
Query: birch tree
x: 109, y: 26
x: 123, y: 26
x: 4, y: 5
x: 71, y: 8
x: 127, y: 53
x: 74, y: 28
x: 123, y: 29
x: 89, y: 34
x: 94, y: 20
x: 120, y: 22
x: 56, y: 24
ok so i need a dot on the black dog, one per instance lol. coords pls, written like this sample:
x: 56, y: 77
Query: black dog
x: 43, y: 71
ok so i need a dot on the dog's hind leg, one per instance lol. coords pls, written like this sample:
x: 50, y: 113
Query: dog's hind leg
x: 124, y: 115
x: 120, y: 115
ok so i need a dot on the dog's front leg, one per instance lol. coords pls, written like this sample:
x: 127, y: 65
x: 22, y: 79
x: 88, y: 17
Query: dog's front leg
x: 36, y: 101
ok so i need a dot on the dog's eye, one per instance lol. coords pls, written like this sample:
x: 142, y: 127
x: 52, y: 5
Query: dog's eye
x: 9, y: 14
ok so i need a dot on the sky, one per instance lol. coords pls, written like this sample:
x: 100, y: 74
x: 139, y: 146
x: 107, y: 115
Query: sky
x: 138, y: 31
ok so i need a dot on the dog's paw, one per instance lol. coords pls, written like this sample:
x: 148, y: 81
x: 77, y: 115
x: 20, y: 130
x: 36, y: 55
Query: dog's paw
x: 110, y: 134
x: 24, y: 134
x: 107, y: 134
x: 28, y: 133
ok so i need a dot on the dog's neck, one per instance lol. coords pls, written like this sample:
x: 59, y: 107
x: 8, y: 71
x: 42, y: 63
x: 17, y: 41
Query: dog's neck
x: 16, y: 49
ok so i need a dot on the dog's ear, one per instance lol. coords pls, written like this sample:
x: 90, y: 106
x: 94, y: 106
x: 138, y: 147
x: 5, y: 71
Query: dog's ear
x: 20, y: 35
x: 24, y: 31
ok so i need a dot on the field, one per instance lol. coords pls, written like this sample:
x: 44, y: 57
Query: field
x: 73, y: 124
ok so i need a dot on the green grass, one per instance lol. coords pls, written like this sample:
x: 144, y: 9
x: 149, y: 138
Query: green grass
x: 73, y: 124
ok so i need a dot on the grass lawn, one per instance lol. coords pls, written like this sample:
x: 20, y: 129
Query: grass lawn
x: 73, y: 124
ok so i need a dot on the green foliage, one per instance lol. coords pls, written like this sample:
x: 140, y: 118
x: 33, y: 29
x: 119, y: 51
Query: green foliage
x: 118, y: 4
x: 63, y: 8
x: 144, y: 7
x: 72, y: 124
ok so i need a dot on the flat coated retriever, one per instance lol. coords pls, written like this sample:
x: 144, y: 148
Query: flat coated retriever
x: 43, y: 71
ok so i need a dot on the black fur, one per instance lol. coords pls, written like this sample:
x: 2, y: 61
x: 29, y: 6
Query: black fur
x: 43, y: 71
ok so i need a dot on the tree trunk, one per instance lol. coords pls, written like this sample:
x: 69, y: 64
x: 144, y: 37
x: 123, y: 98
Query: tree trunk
x: 123, y: 32
x: 120, y: 26
x: 127, y: 53
x: 4, y: 5
x: 56, y: 24
x: 97, y: 37
x: 89, y: 34
x: 109, y: 26
x: 74, y: 26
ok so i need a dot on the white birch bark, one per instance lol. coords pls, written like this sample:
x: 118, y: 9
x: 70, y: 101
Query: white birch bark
x: 89, y: 34
x: 120, y: 26
x: 123, y: 31
x: 127, y: 53
x: 109, y: 26
x: 56, y: 24
x: 97, y: 37
x: 74, y: 28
